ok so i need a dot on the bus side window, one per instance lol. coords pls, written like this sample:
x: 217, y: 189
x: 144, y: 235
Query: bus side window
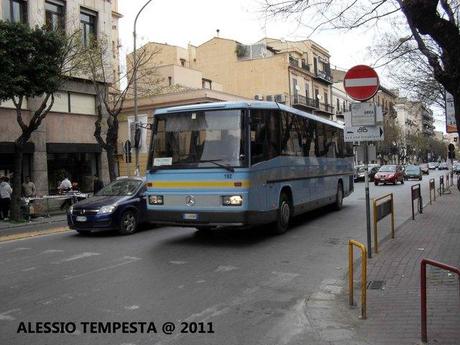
x: 264, y: 135
x: 287, y: 141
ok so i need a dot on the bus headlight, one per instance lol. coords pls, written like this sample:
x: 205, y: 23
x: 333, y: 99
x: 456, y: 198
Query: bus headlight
x: 232, y: 200
x: 156, y: 199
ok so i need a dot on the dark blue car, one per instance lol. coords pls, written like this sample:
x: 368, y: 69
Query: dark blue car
x: 120, y: 206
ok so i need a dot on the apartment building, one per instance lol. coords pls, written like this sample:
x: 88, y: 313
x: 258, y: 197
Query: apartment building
x: 64, y: 143
x: 296, y: 73
x: 167, y: 80
x: 414, y: 117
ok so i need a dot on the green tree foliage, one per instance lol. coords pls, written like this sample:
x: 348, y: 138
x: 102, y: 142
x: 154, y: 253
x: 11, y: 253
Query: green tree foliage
x: 33, y: 63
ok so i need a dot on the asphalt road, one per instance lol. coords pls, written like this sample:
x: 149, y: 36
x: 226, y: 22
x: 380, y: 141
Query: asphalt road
x: 251, y: 286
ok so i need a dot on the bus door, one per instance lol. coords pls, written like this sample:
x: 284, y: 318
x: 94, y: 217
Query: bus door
x: 265, y: 149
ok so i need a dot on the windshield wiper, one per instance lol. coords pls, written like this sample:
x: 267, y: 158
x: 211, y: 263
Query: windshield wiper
x: 215, y: 161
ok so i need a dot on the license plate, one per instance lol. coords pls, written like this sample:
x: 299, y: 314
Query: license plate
x: 190, y: 216
x: 81, y: 219
x: 382, y: 179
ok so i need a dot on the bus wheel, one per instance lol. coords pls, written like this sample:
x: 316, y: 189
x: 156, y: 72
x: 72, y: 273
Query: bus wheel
x: 338, y: 197
x: 283, y: 216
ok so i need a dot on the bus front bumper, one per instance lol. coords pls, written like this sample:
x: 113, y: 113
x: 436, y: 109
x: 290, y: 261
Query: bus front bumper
x: 204, y: 218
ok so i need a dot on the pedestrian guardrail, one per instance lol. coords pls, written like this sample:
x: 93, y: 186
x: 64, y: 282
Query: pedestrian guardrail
x: 383, y: 207
x: 416, y: 194
x: 50, y: 204
x: 361, y: 246
x: 441, y: 185
x: 432, y: 188
x: 423, y: 290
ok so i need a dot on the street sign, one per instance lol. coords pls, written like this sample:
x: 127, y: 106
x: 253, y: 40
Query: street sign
x: 451, y: 123
x: 363, y: 133
x: 361, y: 82
x: 363, y: 114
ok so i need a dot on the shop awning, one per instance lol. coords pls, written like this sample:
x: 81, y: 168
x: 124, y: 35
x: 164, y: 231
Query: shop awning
x: 9, y: 147
x: 73, y: 148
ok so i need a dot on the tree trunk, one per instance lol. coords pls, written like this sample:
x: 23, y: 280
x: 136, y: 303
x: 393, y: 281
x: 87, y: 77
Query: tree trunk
x: 111, y: 162
x: 17, y: 185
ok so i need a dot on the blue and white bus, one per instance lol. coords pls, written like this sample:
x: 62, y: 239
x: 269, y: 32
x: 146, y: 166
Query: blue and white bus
x: 244, y: 163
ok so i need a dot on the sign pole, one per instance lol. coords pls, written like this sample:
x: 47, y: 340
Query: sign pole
x: 368, y: 210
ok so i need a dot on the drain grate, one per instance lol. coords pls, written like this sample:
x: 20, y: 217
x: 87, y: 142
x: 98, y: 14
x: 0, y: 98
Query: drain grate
x: 376, y: 284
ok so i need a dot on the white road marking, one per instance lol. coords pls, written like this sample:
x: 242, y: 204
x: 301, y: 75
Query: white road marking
x: 225, y: 268
x: 132, y: 307
x: 6, y: 317
x: 52, y: 251
x: 28, y: 269
x: 77, y: 257
x: 178, y: 262
x: 127, y: 260
x: 201, y: 281
x: 19, y: 249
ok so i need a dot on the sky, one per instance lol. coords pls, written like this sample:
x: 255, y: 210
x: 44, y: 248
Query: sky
x: 180, y: 22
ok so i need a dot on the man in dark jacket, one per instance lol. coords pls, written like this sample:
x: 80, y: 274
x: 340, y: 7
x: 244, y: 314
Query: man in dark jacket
x: 98, y: 185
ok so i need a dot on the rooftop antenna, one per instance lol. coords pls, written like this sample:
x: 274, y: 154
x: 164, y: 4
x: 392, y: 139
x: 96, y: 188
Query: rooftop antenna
x: 217, y: 32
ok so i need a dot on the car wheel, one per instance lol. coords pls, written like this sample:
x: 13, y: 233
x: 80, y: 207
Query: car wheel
x: 420, y: 178
x: 376, y: 183
x: 283, y: 216
x: 402, y: 181
x: 128, y: 223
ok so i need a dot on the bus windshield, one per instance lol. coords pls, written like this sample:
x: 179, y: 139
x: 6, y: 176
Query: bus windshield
x: 198, y: 139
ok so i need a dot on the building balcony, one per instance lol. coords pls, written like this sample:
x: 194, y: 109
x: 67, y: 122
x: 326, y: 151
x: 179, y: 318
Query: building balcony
x: 307, y: 103
x: 324, y: 76
x: 293, y: 62
x: 305, y: 67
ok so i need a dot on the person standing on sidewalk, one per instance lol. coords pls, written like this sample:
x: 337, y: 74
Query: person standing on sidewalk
x: 5, y: 198
x: 28, y: 188
x: 97, y: 185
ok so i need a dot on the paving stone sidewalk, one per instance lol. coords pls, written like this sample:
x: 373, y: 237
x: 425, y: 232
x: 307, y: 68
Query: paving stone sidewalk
x: 393, y: 311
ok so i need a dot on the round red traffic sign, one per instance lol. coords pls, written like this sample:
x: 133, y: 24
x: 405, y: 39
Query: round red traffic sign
x: 361, y: 82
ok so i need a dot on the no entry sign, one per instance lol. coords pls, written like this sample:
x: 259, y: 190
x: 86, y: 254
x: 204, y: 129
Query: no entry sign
x: 361, y: 82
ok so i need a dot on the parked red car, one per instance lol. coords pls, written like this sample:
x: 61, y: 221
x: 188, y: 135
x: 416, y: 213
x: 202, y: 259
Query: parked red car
x: 389, y: 174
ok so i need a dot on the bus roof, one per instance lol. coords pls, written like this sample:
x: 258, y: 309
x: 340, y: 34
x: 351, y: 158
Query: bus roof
x: 244, y: 105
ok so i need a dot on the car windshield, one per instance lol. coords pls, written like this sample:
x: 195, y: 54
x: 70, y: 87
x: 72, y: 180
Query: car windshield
x: 124, y: 187
x: 412, y: 168
x: 198, y: 139
x: 388, y: 168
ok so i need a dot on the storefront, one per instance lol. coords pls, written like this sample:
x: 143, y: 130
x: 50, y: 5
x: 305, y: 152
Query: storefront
x: 78, y: 162
x: 7, y: 155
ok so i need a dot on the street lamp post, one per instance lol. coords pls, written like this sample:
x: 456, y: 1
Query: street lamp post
x: 135, y: 84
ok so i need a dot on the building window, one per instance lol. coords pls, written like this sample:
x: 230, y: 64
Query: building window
x: 54, y: 15
x: 15, y: 11
x: 326, y: 100
x: 170, y: 81
x: 182, y: 62
x: 338, y: 106
x: 88, y: 27
x: 206, y: 84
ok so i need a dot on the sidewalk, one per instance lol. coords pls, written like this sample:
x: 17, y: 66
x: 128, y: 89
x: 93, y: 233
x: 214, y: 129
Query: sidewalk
x: 393, y: 310
x: 8, y: 227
